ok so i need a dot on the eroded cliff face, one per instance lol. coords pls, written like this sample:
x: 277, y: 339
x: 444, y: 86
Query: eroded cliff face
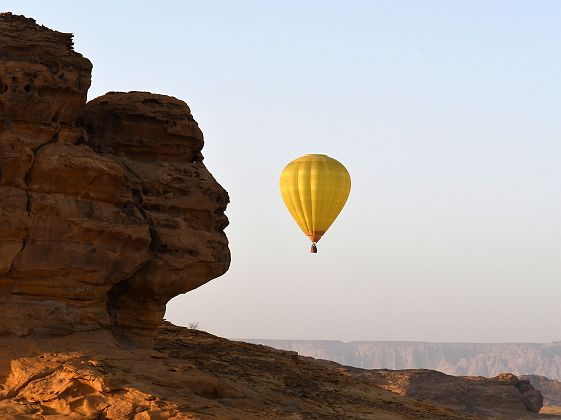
x: 157, y: 142
x: 106, y: 209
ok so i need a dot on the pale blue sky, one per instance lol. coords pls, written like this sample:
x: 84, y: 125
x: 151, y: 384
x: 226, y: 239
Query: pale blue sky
x: 447, y: 115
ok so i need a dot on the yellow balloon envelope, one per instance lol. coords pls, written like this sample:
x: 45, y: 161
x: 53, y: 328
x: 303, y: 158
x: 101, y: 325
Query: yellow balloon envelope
x: 315, y: 188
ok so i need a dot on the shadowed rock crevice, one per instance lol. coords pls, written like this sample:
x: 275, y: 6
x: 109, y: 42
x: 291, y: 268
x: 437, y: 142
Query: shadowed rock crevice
x: 106, y: 209
x: 28, y: 203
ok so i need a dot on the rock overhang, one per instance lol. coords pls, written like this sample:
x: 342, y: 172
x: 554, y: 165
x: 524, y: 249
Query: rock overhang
x: 106, y: 208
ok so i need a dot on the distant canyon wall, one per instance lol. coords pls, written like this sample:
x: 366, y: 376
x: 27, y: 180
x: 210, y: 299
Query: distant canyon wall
x: 466, y: 359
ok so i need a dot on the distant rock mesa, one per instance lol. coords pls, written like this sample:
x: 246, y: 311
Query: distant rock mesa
x: 466, y: 359
x: 106, y: 209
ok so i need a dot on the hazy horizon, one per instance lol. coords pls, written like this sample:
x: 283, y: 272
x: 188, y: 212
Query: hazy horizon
x: 446, y: 114
x: 393, y: 341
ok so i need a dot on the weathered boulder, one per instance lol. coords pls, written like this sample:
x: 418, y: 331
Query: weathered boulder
x: 550, y: 388
x: 106, y: 209
x: 532, y: 398
x: 504, y: 396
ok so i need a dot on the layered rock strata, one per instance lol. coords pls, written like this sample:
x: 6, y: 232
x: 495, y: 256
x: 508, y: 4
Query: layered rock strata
x: 157, y: 142
x: 106, y: 209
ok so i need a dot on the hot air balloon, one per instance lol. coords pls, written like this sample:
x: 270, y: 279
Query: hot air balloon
x: 315, y: 189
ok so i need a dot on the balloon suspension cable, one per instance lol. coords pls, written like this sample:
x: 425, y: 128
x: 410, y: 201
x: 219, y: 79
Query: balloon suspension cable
x: 314, y: 248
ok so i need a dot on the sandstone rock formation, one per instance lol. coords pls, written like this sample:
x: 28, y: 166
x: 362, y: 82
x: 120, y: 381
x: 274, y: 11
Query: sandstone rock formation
x: 106, y: 209
x: 550, y: 388
x: 502, y: 396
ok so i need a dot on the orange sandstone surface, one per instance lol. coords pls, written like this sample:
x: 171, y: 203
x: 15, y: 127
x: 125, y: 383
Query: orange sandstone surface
x: 188, y: 374
x: 193, y: 374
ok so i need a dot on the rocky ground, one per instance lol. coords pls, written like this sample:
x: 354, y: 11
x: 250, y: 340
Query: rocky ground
x: 193, y: 374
